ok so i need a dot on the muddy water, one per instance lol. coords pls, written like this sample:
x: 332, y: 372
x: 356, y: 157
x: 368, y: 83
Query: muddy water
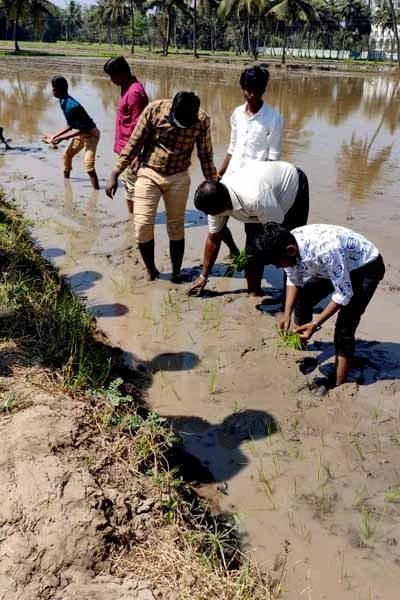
x: 291, y: 466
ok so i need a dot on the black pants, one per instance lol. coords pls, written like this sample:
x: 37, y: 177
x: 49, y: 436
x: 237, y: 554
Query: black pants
x: 297, y: 214
x: 364, y: 282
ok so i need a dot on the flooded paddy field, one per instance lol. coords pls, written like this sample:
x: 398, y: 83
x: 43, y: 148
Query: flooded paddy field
x: 312, y: 477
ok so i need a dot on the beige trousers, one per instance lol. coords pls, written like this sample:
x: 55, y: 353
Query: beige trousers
x: 128, y: 178
x: 88, y: 141
x: 149, y: 188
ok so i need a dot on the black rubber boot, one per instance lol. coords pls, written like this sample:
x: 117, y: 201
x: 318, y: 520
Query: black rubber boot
x: 147, y: 253
x: 176, y: 251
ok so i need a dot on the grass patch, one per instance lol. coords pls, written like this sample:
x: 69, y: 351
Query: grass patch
x: 39, y: 310
x: 393, y: 494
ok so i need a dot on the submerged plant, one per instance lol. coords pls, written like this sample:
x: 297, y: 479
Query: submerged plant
x: 238, y: 263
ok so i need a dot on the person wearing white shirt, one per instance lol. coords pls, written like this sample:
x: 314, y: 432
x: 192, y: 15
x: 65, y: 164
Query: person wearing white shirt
x: 257, y: 194
x: 320, y: 260
x: 256, y: 128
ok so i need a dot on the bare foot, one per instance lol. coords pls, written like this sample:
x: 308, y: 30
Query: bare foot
x: 256, y: 293
x: 67, y: 174
x: 94, y: 180
x: 151, y: 275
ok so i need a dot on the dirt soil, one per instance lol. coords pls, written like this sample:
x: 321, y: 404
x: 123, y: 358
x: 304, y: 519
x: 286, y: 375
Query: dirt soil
x: 53, y: 518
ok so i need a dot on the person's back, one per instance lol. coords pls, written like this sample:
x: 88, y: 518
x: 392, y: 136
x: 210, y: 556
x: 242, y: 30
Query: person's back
x: 269, y: 182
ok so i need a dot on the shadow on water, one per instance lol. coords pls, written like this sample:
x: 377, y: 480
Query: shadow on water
x: 49, y: 253
x: 374, y: 361
x: 116, y: 309
x: 215, y: 447
x: 84, y: 280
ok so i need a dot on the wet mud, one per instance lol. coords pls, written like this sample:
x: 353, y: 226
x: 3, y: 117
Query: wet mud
x: 293, y: 466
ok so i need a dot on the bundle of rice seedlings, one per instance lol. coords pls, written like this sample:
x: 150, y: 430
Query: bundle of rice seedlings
x: 239, y: 263
x: 291, y: 340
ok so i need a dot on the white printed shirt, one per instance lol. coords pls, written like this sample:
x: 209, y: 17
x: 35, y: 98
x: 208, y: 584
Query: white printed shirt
x: 256, y: 137
x: 330, y: 252
x: 260, y: 192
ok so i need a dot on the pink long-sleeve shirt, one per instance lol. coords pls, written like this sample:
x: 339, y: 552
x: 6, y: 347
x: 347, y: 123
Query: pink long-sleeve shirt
x: 130, y: 106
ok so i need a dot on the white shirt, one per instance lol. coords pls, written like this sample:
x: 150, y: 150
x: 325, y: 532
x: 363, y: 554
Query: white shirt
x: 260, y: 192
x: 330, y: 252
x: 255, y: 137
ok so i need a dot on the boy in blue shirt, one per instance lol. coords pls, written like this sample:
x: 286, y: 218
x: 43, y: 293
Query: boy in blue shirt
x: 81, y: 130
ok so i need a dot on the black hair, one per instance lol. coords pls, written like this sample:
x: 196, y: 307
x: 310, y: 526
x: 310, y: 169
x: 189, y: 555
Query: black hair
x: 270, y: 243
x: 210, y: 197
x: 117, y: 64
x: 256, y: 77
x: 185, y: 107
x: 60, y: 84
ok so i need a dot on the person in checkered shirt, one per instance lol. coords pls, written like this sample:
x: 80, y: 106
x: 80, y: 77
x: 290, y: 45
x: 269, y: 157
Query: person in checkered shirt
x: 163, y: 140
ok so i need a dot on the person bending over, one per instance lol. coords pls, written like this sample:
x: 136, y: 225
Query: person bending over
x: 131, y: 104
x: 81, y: 130
x: 256, y: 194
x: 320, y: 260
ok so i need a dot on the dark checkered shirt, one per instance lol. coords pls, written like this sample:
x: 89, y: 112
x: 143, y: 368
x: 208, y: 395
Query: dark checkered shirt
x: 165, y: 148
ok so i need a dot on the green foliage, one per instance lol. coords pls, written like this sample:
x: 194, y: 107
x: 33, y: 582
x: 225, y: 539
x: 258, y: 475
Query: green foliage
x: 291, y: 340
x: 239, y: 263
x: 39, y: 309
x: 393, y: 494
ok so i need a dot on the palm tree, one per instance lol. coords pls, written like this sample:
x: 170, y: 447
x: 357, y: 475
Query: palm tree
x: 249, y: 7
x: 166, y: 8
x: 117, y: 13
x: 356, y: 17
x: 16, y: 8
x: 288, y: 11
x: 395, y: 29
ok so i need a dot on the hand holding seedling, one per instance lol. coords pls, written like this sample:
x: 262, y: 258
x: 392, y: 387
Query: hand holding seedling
x: 305, y: 331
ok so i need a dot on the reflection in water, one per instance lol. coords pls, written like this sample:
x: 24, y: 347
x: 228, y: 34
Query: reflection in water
x: 357, y: 172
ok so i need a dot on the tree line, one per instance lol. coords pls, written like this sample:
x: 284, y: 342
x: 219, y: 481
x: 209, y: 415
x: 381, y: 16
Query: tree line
x: 239, y: 26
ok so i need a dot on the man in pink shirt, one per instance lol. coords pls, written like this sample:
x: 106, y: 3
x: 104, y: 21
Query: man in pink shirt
x: 131, y: 104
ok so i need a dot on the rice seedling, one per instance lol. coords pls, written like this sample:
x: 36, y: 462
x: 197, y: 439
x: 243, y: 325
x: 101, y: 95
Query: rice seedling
x: 291, y: 340
x: 266, y: 483
x: 212, y: 384
x: 393, y: 494
x: 301, y: 529
x: 359, y: 449
x: 7, y: 401
x: 238, y: 263
x: 367, y: 529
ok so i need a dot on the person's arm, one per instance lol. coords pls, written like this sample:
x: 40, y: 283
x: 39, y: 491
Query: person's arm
x: 61, y: 138
x: 211, y: 249
x: 231, y: 148
x: 343, y: 291
x: 50, y: 139
x: 139, y: 137
x: 292, y: 292
x: 275, y: 140
x: 205, y: 151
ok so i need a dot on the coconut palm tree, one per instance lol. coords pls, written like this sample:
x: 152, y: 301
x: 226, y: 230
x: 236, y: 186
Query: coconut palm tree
x: 289, y: 11
x: 395, y: 29
x: 166, y: 7
x: 249, y: 7
x: 17, y: 8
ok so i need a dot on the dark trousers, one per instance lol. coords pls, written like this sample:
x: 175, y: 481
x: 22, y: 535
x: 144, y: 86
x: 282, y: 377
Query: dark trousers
x: 364, y: 282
